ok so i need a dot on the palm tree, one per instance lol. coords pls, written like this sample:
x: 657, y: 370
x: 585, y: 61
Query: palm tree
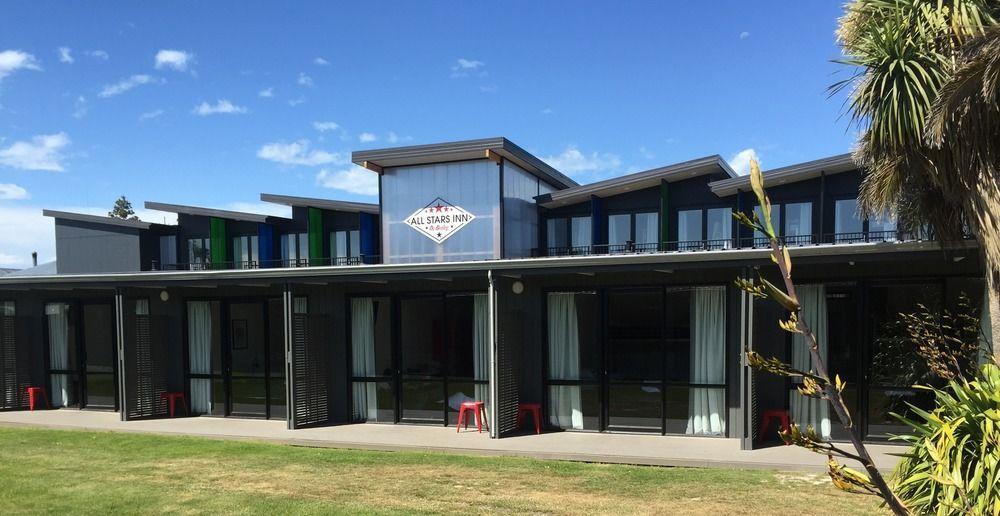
x: 925, y: 96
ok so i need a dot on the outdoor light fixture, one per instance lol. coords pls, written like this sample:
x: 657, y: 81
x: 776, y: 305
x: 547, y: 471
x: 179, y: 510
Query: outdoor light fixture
x: 517, y: 287
x: 164, y: 296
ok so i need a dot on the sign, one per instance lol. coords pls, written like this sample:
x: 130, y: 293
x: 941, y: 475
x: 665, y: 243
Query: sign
x: 439, y: 220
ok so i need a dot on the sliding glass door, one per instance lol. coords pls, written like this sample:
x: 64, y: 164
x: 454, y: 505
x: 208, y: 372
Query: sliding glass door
x: 637, y: 360
x: 82, y: 354
x: 64, y: 380
x: 99, y: 356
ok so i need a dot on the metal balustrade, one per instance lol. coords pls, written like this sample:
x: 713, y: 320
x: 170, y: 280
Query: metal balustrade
x: 155, y: 265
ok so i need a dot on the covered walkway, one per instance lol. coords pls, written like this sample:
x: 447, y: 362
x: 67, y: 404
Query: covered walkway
x: 610, y: 448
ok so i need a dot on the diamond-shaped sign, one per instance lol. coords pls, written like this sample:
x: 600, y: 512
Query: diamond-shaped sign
x: 439, y: 220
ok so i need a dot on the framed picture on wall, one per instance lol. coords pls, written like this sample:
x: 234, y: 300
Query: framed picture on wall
x: 239, y: 334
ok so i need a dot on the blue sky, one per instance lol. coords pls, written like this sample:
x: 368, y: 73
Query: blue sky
x: 214, y: 104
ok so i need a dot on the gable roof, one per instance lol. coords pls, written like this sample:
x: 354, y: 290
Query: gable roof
x: 212, y: 212
x: 379, y: 159
x: 324, y: 204
x: 637, y: 181
x: 789, y: 174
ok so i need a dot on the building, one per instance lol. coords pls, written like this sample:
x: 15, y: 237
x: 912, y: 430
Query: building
x: 483, y: 273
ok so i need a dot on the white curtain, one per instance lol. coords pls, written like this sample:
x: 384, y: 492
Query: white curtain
x: 58, y: 315
x: 363, y: 358
x: 480, y: 343
x: 200, y: 354
x: 7, y: 309
x: 707, y: 406
x: 985, y: 328
x: 141, y: 307
x: 565, y: 403
x: 810, y: 411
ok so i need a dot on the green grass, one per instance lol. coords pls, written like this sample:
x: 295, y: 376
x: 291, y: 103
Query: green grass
x: 74, y: 472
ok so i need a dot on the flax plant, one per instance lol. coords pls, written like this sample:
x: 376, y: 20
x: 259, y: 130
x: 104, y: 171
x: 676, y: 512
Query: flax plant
x: 816, y: 383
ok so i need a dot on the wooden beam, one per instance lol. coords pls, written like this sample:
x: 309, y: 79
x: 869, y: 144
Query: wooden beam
x: 492, y: 156
x: 371, y: 166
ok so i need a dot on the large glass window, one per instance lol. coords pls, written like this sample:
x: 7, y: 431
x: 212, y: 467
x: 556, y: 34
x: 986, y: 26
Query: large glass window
x: 100, y: 351
x: 62, y: 366
x: 246, y: 252
x: 647, y: 233
x: 568, y: 235
x: 633, y: 232
x: 689, y: 230
x: 580, y: 233
x: 373, y: 397
x: 759, y: 238
x: 798, y: 223
x: 720, y: 228
x: 345, y: 247
x: 847, y: 227
x: 882, y: 228
x: 199, y: 253
x: 556, y: 235
x: 619, y: 231
x: 574, y: 362
x: 295, y: 250
x: 168, y: 252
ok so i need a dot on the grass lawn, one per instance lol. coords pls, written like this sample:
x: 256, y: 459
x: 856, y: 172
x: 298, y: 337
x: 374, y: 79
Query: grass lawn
x: 73, y: 472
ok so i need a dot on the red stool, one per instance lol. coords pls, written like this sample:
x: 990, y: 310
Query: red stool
x: 535, y: 410
x: 771, y: 415
x: 34, y: 393
x: 172, y: 398
x: 478, y: 408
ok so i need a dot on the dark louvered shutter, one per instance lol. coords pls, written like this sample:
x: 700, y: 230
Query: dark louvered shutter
x: 309, y: 358
x: 145, y: 361
x: 10, y: 387
x: 508, y: 372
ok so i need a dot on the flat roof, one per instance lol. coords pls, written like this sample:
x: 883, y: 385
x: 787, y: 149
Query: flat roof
x: 379, y: 159
x: 789, y: 174
x: 722, y: 257
x: 212, y: 212
x: 637, y: 181
x: 98, y: 219
x: 325, y: 204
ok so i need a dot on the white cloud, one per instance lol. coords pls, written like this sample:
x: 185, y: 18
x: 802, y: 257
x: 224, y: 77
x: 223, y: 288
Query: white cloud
x: 547, y: 111
x: 10, y: 192
x: 465, y: 67
x: 98, y: 54
x: 392, y: 137
x: 296, y: 101
x: 571, y: 161
x: 325, y: 126
x: 266, y: 93
x: 80, y: 107
x: 354, y: 180
x: 297, y: 153
x: 221, y: 107
x: 367, y: 137
x: 744, y: 35
x: 305, y: 80
x: 740, y: 162
x: 149, y: 115
x: 43, y: 152
x: 65, y: 55
x: 319, y: 61
x: 14, y: 60
x: 110, y: 90
x: 173, y: 59
x: 23, y: 229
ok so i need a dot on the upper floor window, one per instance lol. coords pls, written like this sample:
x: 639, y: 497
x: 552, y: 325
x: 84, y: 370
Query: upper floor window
x: 798, y: 223
x: 246, y: 252
x: 882, y: 227
x: 168, y: 252
x: 345, y: 247
x: 704, y: 229
x: 759, y: 238
x: 689, y: 229
x: 847, y: 226
x: 639, y: 229
x: 295, y: 250
x: 199, y: 251
x: 719, y: 228
x: 569, y: 235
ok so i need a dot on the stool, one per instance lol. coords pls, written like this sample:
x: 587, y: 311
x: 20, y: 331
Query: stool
x: 771, y: 415
x: 535, y: 410
x: 34, y: 393
x: 172, y: 398
x: 477, y: 408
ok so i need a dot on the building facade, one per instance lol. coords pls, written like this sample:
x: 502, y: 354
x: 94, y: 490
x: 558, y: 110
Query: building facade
x: 485, y: 274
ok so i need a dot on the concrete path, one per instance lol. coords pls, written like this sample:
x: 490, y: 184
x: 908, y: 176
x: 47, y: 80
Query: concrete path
x: 590, y: 447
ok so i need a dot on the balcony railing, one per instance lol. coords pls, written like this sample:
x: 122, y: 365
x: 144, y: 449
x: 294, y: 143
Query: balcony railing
x: 731, y: 243
x: 266, y: 264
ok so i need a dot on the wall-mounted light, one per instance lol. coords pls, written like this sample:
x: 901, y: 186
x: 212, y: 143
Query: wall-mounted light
x: 517, y: 287
x: 164, y: 296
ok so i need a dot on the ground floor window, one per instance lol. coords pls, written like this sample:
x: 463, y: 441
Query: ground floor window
x: 417, y: 358
x: 82, y: 354
x: 649, y: 360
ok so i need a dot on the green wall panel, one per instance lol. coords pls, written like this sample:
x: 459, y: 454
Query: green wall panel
x: 219, y: 241
x: 315, y: 236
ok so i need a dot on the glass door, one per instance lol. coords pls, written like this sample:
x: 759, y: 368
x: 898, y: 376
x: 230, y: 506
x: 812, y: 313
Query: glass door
x: 248, y: 359
x: 423, y: 359
x: 635, y: 361
x: 62, y: 368
x: 99, y: 356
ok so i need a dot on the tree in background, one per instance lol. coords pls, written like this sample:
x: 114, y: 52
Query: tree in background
x: 123, y: 210
x: 925, y: 95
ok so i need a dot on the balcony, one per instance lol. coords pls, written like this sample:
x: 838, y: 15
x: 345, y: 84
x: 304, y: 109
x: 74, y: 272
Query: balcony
x: 732, y: 243
x: 267, y: 264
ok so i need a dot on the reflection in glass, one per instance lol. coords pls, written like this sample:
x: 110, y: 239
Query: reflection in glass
x: 720, y: 228
x: 846, y: 223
